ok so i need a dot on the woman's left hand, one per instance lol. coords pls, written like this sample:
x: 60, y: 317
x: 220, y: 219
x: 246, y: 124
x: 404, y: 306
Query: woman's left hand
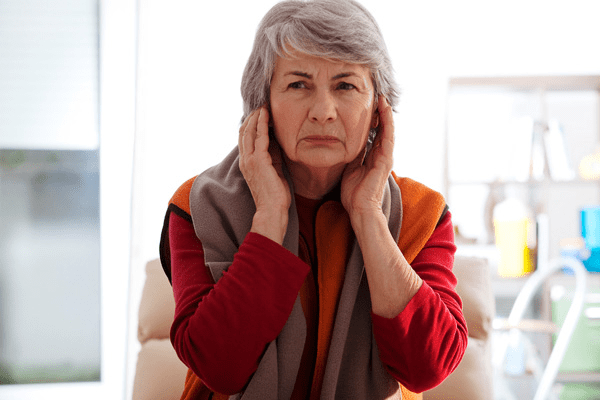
x: 392, y: 281
x: 364, y: 179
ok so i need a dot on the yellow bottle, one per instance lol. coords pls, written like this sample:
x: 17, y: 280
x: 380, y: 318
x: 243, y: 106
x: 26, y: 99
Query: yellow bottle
x: 511, y: 228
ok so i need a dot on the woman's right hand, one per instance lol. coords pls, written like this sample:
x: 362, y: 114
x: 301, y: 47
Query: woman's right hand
x: 261, y: 165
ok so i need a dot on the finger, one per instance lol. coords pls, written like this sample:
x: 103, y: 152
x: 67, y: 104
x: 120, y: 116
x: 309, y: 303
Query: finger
x: 242, y: 130
x: 249, y: 135
x: 385, y: 137
x: 241, y: 133
x: 262, y: 131
x: 372, y: 155
x: 245, y: 123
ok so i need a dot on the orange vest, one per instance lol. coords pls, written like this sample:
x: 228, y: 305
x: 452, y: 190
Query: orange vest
x: 421, y: 211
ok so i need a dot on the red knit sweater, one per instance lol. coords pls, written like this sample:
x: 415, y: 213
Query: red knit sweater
x: 220, y: 330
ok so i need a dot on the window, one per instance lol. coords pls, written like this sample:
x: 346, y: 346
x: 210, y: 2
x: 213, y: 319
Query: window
x: 49, y: 266
x: 49, y: 192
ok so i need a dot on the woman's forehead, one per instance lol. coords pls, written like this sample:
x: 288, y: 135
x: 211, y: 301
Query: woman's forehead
x: 298, y: 62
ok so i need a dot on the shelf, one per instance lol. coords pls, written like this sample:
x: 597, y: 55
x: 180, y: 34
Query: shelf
x: 525, y: 325
x: 525, y: 183
x: 541, y: 98
x: 556, y: 82
x: 578, y: 377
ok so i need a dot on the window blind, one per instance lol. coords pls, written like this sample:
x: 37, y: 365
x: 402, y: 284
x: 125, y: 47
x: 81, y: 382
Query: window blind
x: 49, y: 74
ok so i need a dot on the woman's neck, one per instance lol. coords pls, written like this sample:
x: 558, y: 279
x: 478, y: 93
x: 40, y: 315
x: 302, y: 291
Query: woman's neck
x: 313, y: 183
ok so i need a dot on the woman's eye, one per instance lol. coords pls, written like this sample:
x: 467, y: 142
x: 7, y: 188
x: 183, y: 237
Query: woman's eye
x: 346, y: 86
x: 297, y: 85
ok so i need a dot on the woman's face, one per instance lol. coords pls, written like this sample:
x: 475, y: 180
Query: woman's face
x: 322, y: 110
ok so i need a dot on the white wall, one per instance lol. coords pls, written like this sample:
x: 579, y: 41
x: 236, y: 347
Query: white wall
x: 192, y: 55
x: 433, y: 40
x: 189, y: 104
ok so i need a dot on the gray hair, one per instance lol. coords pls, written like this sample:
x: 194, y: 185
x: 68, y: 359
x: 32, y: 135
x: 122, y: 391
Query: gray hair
x: 334, y: 29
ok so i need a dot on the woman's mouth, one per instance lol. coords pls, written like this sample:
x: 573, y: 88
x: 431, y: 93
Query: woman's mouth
x: 321, y: 139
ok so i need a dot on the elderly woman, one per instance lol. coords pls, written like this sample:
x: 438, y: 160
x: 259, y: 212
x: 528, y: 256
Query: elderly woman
x: 302, y: 267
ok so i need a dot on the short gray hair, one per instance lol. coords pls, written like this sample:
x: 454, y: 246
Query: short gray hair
x: 334, y: 29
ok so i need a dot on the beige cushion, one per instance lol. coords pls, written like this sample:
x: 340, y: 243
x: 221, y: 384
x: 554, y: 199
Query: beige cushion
x: 157, y: 306
x: 159, y: 373
x: 475, y: 290
x: 472, y: 379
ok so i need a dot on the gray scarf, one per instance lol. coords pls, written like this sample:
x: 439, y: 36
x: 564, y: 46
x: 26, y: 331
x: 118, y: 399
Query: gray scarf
x: 222, y: 209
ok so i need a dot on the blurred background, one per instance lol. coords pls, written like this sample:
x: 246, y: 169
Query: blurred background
x: 107, y: 106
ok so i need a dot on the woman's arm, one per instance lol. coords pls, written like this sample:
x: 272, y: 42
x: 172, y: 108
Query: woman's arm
x: 262, y: 167
x: 221, y: 330
x: 425, y: 334
x: 392, y: 281
x: 425, y: 342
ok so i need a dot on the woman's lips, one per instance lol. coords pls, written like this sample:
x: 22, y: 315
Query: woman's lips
x: 318, y: 139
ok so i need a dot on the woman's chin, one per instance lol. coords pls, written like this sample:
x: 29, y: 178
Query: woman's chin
x: 323, y: 159
x: 324, y: 163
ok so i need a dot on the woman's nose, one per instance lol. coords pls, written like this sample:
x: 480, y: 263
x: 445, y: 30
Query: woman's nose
x: 323, y: 108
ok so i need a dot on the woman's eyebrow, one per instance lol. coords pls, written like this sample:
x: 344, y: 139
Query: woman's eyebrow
x: 343, y: 75
x: 298, y: 73
x: 309, y: 76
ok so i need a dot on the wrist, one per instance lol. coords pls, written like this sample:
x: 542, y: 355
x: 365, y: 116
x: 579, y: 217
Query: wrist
x: 368, y: 224
x: 365, y: 216
x: 271, y: 224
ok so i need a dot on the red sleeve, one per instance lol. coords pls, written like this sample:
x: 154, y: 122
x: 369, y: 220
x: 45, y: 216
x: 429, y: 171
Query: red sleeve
x: 426, y: 341
x: 221, y: 330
